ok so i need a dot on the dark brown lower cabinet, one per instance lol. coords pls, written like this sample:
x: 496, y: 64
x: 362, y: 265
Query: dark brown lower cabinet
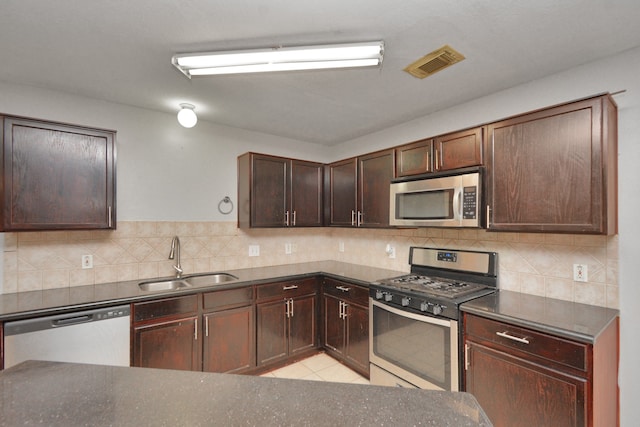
x: 228, y: 342
x: 213, y: 331
x: 166, y: 334
x: 346, y: 324
x: 523, y: 377
x: 286, y: 319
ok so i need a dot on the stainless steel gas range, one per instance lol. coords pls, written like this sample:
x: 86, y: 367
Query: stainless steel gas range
x: 414, y: 339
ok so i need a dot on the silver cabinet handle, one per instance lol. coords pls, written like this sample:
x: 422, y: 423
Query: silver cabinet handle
x: 360, y: 216
x: 110, y: 219
x: 206, y: 326
x: 286, y: 218
x: 466, y: 357
x: 488, y: 209
x: 353, y: 218
x: 293, y: 222
x: 512, y: 338
x: 289, y: 307
x: 343, y: 288
x: 340, y: 309
x: 343, y: 310
x: 288, y: 288
x: 195, y: 333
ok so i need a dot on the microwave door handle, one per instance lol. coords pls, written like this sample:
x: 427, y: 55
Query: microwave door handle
x: 457, y: 204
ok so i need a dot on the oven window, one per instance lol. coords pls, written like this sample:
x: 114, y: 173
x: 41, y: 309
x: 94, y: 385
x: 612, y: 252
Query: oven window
x: 426, y: 205
x: 418, y: 347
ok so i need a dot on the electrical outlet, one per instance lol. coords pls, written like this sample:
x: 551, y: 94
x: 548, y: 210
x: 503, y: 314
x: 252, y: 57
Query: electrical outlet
x: 287, y: 248
x: 391, y: 251
x: 254, y: 250
x: 341, y: 246
x: 87, y: 261
x: 580, y: 273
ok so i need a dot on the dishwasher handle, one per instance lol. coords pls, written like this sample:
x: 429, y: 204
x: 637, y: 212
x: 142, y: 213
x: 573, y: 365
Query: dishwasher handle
x: 75, y: 320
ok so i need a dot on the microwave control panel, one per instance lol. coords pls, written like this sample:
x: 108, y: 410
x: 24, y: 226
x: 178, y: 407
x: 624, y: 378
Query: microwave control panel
x: 469, y: 202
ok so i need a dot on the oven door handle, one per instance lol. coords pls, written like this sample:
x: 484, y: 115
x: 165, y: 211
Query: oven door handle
x: 420, y: 317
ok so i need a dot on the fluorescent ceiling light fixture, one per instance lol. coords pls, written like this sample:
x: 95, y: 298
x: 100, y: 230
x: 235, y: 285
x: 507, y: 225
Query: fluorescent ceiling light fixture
x: 280, y: 59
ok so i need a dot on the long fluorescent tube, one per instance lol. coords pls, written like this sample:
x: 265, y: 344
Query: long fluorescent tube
x: 281, y: 59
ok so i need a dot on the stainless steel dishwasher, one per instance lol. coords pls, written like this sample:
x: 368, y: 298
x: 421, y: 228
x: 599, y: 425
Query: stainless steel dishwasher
x: 98, y: 336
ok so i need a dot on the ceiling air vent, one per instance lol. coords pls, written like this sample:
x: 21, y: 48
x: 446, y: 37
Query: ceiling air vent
x: 434, y: 62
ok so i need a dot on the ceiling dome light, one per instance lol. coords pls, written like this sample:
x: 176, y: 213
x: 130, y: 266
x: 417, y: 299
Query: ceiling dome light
x: 187, y: 116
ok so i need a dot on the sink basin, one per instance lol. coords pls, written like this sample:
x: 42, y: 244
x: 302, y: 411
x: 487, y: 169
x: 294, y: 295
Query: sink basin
x: 209, y: 279
x: 186, y: 282
x: 163, y: 285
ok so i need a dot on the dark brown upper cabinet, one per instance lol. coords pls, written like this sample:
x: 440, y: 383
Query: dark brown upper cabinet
x: 458, y: 150
x: 279, y: 192
x: 555, y: 170
x: 359, y: 190
x: 57, y: 176
x: 415, y: 158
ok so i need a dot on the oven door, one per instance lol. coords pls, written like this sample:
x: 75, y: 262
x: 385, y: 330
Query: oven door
x: 419, y: 349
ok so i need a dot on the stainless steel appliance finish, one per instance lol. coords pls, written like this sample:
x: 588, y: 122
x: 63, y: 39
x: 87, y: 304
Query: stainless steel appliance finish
x: 448, y: 199
x: 99, y: 336
x: 413, y: 320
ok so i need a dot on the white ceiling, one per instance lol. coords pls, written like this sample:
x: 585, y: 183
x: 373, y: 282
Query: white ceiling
x: 120, y: 51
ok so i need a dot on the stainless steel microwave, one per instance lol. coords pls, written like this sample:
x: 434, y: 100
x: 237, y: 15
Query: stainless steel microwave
x: 438, y: 200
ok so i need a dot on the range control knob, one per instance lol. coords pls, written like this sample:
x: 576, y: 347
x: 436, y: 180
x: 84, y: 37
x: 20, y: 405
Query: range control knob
x: 379, y: 294
x: 437, y: 309
x: 388, y: 297
x: 405, y: 301
x: 424, y: 306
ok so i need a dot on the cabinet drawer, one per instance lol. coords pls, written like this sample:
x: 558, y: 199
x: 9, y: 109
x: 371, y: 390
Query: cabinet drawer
x: 548, y: 347
x: 227, y: 298
x: 165, y: 308
x: 346, y: 291
x: 286, y: 289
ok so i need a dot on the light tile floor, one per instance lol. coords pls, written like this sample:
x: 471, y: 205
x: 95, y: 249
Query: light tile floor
x: 319, y: 367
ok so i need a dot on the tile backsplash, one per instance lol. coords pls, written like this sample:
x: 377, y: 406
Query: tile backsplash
x: 539, y: 264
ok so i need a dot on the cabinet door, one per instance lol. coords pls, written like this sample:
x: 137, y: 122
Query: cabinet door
x: 229, y: 340
x: 414, y: 158
x: 57, y: 176
x: 357, y: 339
x: 272, y: 331
x: 334, y: 329
x: 375, y: 172
x: 342, y: 192
x: 459, y: 149
x: 306, y: 194
x: 554, y: 170
x: 168, y: 345
x: 269, y: 191
x: 514, y: 392
x: 302, y: 324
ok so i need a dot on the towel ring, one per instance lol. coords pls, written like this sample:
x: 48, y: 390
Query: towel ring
x: 226, y: 200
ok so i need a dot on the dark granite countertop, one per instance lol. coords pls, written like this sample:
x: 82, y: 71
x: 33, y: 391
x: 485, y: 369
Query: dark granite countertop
x: 66, y: 394
x: 579, y: 322
x: 37, y: 303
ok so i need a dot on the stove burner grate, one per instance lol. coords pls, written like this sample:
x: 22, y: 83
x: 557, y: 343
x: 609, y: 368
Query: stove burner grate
x: 433, y: 285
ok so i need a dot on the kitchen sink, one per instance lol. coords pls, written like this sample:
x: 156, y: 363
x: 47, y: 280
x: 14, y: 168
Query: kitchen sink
x: 186, y: 282
x: 163, y: 285
x: 209, y: 279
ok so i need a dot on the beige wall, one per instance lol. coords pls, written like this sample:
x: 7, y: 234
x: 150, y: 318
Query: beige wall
x: 539, y: 264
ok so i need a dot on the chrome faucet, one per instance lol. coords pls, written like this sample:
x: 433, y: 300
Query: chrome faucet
x: 175, y: 253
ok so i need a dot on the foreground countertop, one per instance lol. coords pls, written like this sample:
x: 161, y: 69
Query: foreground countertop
x: 579, y: 322
x: 64, y: 394
x: 37, y: 303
